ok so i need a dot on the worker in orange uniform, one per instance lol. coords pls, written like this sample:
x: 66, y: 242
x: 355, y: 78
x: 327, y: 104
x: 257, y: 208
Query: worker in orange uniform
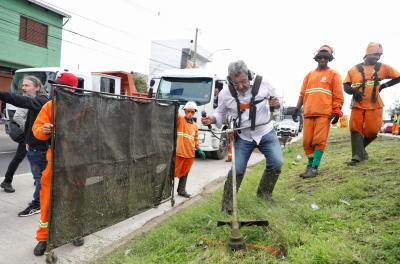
x: 186, y: 146
x: 396, y: 124
x: 322, y: 97
x: 42, y: 130
x: 362, y: 81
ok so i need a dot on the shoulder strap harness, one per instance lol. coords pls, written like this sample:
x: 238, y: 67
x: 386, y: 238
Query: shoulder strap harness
x: 377, y: 67
x: 253, y: 102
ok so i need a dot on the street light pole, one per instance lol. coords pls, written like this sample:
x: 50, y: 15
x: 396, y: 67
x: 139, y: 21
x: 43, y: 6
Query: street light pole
x: 195, y: 48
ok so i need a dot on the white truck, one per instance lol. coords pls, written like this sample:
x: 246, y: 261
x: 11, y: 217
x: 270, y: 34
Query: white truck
x: 196, y: 85
x: 117, y: 82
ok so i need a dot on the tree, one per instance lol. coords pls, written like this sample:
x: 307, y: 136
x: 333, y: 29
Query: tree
x: 394, y: 109
x: 140, y: 82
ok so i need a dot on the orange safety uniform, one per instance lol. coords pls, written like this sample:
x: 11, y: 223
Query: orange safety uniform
x: 186, y: 144
x: 396, y: 125
x: 44, y: 116
x: 322, y: 94
x: 366, y: 116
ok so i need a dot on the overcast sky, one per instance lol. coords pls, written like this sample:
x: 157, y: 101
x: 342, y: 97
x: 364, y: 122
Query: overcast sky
x: 277, y: 39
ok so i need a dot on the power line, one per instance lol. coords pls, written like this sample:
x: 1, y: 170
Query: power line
x: 89, y: 19
x: 107, y: 26
x: 80, y: 45
x: 105, y: 44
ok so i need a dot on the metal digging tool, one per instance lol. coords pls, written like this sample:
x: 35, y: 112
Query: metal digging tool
x: 236, y: 240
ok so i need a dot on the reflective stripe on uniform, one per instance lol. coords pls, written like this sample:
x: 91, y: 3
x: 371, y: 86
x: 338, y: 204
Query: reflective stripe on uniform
x: 185, y: 135
x: 43, y: 224
x: 318, y: 90
x: 357, y: 85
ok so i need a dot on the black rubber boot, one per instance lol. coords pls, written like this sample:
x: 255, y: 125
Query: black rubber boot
x: 40, y: 248
x: 367, y: 141
x: 357, y: 149
x: 182, y: 187
x: 267, y: 184
x: 226, y: 204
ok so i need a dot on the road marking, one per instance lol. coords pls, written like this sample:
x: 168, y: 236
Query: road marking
x: 7, y: 152
x: 23, y: 174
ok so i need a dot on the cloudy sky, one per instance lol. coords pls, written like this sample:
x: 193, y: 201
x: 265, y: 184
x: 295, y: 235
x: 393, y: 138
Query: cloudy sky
x: 277, y: 39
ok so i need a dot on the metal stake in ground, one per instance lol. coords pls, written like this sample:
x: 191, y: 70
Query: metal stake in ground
x: 236, y: 240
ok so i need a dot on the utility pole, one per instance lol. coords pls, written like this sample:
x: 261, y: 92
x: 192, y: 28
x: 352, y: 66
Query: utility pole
x: 195, y: 48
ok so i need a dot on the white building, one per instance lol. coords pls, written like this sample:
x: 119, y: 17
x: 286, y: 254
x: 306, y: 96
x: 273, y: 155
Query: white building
x: 175, y: 54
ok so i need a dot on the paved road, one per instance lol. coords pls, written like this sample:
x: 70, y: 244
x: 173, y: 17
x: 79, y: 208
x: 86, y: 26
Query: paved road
x: 7, y: 151
x: 17, y: 238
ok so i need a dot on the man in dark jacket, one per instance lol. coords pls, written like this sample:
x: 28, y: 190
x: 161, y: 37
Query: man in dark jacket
x: 17, y: 127
x: 33, y: 100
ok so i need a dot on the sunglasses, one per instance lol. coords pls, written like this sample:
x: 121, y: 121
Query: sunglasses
x: 320, y: 57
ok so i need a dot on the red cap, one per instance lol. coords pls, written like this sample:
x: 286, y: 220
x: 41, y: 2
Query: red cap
x: 66, y: 78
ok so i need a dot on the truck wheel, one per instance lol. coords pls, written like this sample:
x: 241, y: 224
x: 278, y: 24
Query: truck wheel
x: 223, y: 149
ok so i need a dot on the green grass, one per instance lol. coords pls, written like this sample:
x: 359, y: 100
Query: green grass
x: 366, y: 230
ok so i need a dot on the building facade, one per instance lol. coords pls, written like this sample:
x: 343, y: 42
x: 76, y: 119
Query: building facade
x: 30, y: 36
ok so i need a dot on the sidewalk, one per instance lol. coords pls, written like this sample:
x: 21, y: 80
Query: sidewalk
x: 389, y: 135
x: 17, y: 238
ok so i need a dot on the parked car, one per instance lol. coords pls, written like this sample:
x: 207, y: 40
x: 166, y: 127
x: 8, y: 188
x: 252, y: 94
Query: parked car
x: 288, y: 128
x: 387, y: 128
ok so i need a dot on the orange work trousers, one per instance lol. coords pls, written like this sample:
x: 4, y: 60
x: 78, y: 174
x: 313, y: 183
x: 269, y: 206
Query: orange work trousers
x: 182, y: 166
x: 42, y: 232
x: 315, y: 134
x: 366, y: 122
x: 395, y: 129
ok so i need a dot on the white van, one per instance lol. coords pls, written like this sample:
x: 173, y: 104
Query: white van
x: 89, y: 81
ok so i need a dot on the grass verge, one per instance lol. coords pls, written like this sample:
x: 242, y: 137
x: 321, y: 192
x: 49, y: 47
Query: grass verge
x: 358, y: 220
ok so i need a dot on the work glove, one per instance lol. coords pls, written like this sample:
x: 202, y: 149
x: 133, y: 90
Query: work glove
x: 201, y: 154
x: 334, y: 118
x: 295, y: 114
x: 358, y: 96
x: 336, y: 114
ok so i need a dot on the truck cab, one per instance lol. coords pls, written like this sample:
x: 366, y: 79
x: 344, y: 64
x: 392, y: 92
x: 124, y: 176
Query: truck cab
x: 196, y: 85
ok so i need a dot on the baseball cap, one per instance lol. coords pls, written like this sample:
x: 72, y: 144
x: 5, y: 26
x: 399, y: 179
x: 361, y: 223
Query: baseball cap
x: 66, y: 78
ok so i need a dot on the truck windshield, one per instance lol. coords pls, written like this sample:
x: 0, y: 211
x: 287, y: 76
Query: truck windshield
x: 186, y: 89
x: 16, y: 85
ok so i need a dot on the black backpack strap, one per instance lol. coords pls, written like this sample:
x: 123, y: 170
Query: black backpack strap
x: 377, y: 67
x: 360, y: 68
x: 253, y: 102
x: 234, y: 94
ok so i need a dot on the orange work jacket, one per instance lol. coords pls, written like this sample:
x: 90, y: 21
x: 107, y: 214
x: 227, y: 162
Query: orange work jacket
x: 322, y: 91
x: 355, y: 78
x: 187, y: 138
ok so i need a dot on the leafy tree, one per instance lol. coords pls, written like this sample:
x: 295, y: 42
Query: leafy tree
x: 394, y: 109
x: 140, y: 82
